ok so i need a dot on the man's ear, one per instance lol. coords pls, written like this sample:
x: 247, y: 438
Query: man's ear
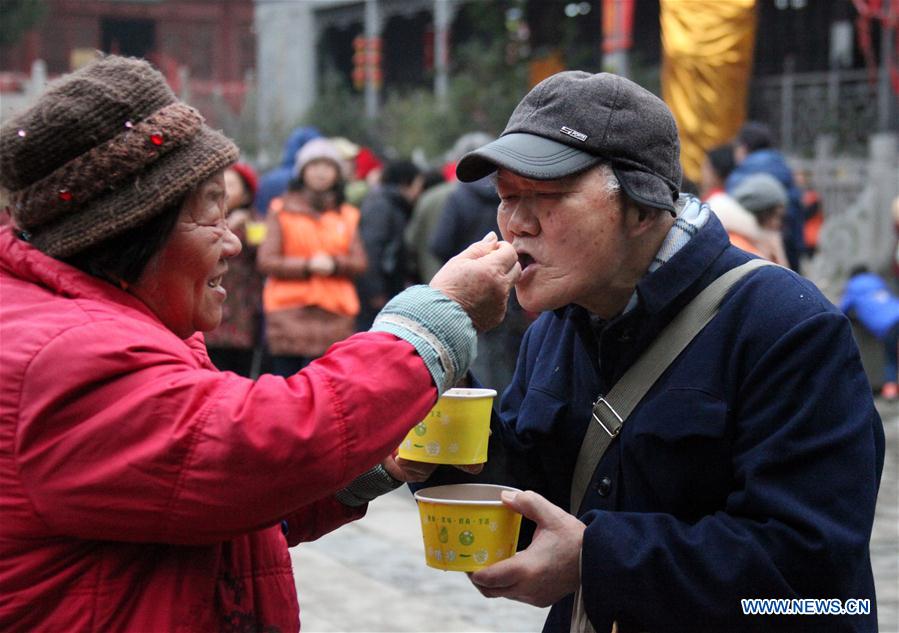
x: 641, y: 220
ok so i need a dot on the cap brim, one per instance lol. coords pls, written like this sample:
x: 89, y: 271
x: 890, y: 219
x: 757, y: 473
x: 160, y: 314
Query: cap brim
x: 527, y: 155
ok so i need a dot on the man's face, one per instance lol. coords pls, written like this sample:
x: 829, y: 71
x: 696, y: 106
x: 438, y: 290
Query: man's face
x: 571, y: 239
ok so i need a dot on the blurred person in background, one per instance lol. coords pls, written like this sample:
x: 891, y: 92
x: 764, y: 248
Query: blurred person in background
x: 235, y: 345
x: 754, y: 153
x: 141, y: 489
x: 715, y: 168
x: 468, y: 213
x: 348, y: 151
x: 274, y: 182
x: 421, y: 264
x: 894, y: 211
x: 366, y: 174
x: 741, y: 226
x: 311, y: 254
x: 386, y: 210
x: 766, y: 199
x: 429, y: 207
x: 869, y: 301
x: 812, y: 211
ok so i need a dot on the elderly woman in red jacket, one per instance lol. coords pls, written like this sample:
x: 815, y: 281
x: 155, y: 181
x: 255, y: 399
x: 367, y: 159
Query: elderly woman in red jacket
x: 140, y: 488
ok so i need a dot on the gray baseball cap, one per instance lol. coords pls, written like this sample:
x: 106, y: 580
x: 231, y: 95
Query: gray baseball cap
x: 572, y: 121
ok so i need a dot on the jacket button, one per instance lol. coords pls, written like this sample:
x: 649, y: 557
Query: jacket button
x: 604, y: 487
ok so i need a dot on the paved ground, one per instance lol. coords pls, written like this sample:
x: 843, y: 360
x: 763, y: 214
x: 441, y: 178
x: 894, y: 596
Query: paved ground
x: 885, y: 538
x: 370, y: 576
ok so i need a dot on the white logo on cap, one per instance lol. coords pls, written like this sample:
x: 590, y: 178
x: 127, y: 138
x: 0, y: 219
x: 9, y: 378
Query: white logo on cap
x: 573, y: 133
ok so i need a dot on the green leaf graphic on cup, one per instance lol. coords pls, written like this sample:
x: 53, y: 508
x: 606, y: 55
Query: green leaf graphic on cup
x: 421, y: 428
x: 466, y: 537
x: 443, y: 536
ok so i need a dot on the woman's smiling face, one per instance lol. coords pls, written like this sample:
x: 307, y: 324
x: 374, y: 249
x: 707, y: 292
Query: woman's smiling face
x: 182, y: 282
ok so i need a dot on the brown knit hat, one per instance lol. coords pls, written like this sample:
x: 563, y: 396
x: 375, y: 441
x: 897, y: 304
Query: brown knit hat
x: 103, y: 150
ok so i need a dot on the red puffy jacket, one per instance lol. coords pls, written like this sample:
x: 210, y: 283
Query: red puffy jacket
x: 140, y: 488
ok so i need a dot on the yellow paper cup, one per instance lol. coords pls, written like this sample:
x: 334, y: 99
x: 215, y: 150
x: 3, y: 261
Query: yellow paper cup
x: 466, y: 527
x: 255, y: 233
x: 456, y: 430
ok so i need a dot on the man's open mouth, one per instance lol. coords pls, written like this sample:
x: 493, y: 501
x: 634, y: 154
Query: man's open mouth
x: 525, y: 260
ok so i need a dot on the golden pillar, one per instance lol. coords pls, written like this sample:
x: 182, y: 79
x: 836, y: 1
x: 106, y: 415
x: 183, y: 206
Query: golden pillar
x: 707, y: 63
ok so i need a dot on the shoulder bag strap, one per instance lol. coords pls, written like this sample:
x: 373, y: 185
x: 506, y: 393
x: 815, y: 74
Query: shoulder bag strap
x: 610, y: 412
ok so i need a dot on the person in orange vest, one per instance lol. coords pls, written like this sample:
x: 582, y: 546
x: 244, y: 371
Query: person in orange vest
x: 312, y: 253
x: 812, y: 211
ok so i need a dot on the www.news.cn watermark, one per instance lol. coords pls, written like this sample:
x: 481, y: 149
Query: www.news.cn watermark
x: 805, y: 606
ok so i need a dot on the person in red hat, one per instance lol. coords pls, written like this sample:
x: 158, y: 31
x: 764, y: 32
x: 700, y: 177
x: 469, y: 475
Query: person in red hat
x: 235, y: 344
x: 366, y: 174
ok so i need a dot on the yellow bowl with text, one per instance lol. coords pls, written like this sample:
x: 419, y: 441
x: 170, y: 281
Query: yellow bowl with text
x: 466, y: 526
x: 455, y: 431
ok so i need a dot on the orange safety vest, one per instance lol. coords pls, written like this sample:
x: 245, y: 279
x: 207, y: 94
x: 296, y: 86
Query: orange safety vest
x: 304, y: 235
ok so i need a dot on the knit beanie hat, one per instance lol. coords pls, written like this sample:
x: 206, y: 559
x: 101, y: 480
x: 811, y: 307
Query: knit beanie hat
x: 103, y: 150
x: 318, y: 149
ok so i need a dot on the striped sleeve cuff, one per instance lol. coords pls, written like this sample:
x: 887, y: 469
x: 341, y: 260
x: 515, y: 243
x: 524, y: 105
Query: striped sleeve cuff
x: 438, y: 328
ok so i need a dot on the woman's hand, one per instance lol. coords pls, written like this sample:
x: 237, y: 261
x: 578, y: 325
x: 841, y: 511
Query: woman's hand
x: 411, y: 471
x: 480, y: 279
x: 407, y: 470
x: 321, y: 264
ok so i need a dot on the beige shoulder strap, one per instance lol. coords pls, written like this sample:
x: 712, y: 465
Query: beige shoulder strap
x: 611, y: 411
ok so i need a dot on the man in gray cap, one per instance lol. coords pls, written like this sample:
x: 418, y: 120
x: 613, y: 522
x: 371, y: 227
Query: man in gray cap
x: 746, y: 468
x: 766, y: 199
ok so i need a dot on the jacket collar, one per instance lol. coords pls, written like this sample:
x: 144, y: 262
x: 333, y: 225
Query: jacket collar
x: 659, y: 289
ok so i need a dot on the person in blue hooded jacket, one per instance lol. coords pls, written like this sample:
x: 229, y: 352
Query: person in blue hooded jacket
x: 754, y: 153
x: 750, y: 468
x: 273, y: 183
x: 870, y: 301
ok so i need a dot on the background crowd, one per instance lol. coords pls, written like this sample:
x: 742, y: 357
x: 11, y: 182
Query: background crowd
x: 331, y: 235
x: 402, y: 220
